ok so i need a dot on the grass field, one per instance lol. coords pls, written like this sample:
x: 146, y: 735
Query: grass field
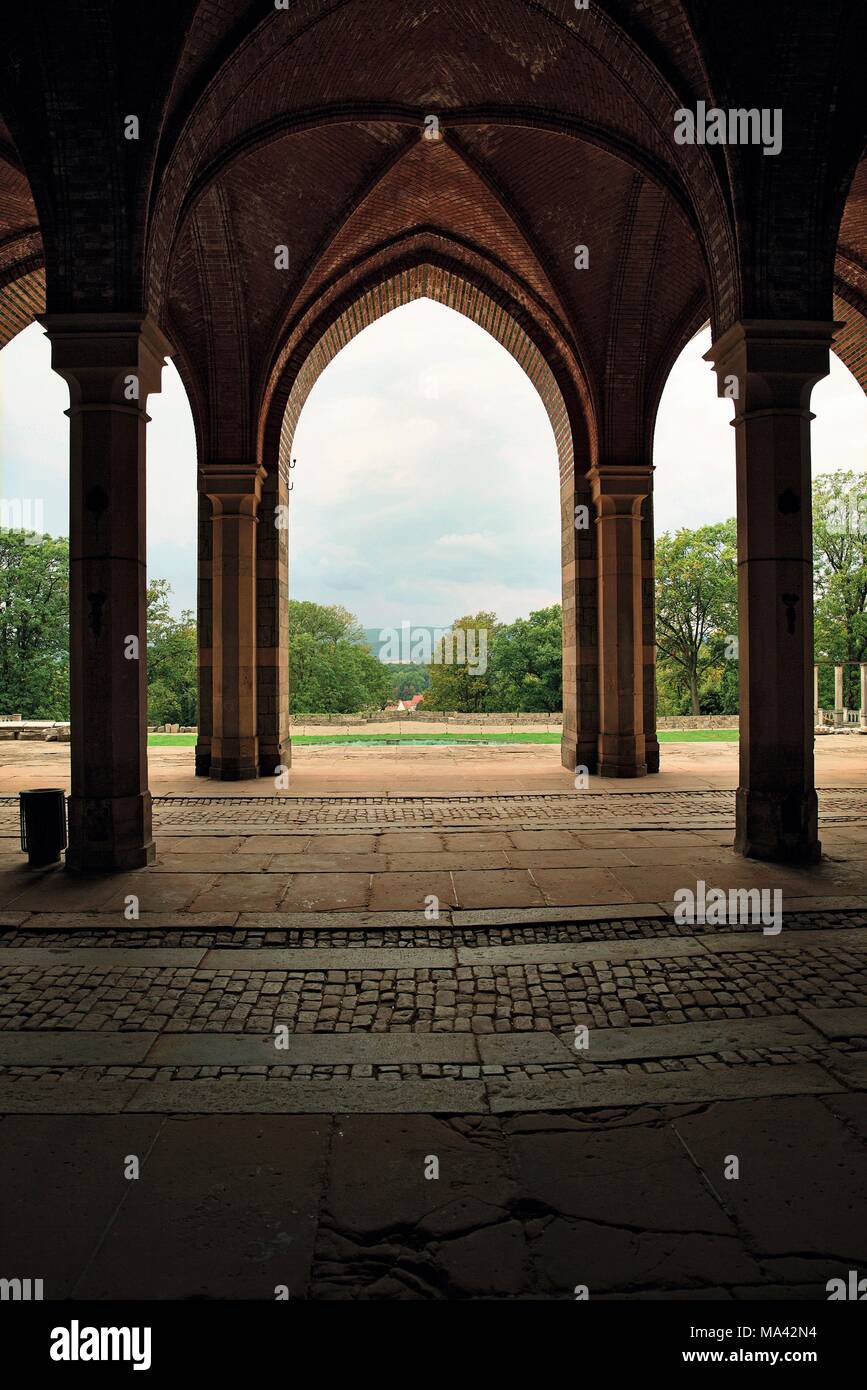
x: 453, y: 739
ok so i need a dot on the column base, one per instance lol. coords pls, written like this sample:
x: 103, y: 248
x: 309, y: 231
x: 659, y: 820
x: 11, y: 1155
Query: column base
x: 109, y: 834
x: 203, y: 759
x: 780, y: 827
x: 611, y: 768
x: 622, y: 756
x: 226, y: 770
x: 272, y: 758
x: 578, y: 752
x: 651, y: 754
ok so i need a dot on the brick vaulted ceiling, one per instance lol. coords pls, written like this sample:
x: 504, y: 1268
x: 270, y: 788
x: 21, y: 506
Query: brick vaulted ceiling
x: 304, y: 126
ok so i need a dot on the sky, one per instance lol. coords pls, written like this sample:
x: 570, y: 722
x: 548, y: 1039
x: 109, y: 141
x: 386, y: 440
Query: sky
x: 426, y: 481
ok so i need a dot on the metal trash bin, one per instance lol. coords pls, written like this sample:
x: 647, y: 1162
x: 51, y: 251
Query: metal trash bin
x: 43, y: 824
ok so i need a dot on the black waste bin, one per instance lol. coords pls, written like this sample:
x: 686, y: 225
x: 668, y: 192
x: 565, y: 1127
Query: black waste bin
x: 43, y: 824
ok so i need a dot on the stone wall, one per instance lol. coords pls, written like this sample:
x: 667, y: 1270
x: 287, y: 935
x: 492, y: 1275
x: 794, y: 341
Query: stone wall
x: 553, y: 720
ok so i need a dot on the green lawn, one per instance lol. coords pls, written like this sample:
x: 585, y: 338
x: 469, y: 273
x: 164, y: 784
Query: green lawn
x: 422, y: 739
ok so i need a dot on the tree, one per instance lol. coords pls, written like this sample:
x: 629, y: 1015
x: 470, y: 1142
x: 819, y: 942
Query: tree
x: 331, y: 671
x: 527, y: 663
x: 840, y: 573
x: 407, y: 680
x: 172, y: 660
x: 34, y: 625
x: 460, y: 677
x: 696, y: 600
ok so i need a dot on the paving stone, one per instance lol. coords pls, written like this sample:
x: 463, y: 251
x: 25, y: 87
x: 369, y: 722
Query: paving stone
x: 803, y: 1180
x: 37, y: 1048
x: 565, y: 1093
x: 300, y: 1098
x: 330, y: 1048
x: 838, y: 1023
x: 222, y: 1210
x: 690, y: 1039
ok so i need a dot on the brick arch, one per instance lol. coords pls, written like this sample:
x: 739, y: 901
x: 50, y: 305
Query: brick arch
x: 428, y: 281
x: 552, y: 366
x: 430, y: 264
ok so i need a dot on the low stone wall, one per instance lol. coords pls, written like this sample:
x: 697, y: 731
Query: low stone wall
x: 429, y: 717
x: 698, y: 721
x: 485, y: 719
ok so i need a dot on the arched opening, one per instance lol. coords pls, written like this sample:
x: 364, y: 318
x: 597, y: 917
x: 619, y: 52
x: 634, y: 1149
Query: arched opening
x: 425, y: 492
x: 34, y: 530
x: 696, y: 506
x: 303, y: 365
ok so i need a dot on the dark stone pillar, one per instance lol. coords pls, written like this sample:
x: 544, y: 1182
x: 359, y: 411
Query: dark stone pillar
x: 272, y: 625
x: 619, y: 491
x: 111, y: 362
x: 205, y: 639
x: 774, y: 366
x: 580, y: 643
x: 648, y: 612
x: 234, y: 490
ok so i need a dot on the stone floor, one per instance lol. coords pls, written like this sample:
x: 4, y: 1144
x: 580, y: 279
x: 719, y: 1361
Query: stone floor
x: 333, y: 1085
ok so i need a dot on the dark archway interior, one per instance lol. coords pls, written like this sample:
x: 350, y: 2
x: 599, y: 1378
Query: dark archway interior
x: 244, y: 188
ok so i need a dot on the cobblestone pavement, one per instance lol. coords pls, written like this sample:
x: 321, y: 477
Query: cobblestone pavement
x: 287, y: 1077
x: 653, y: 809
x: 610, y: 929
x: 484, y: 998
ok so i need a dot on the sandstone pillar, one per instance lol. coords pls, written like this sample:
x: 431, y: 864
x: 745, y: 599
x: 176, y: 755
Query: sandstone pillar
x: 619, y: 490
x: 234, y: 490
x: 204, y: 621
x: 648, y: 610
x: 272, y: 624
x: 111, y: 362
x: 774, y: 365
x: 578, y: 747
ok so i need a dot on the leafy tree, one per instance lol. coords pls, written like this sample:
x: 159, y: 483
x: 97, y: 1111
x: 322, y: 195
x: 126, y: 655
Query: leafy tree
x: 463, y: 685
x: 34, y: 626
x: 840, y: 574
x: 172, y: 660
x: 331, y: 671
x: 696, y: 601
x: 407, y: 680
x: 527, y: 663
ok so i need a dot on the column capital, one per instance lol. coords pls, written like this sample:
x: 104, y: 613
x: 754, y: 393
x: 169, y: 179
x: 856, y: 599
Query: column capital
x: 619, y: 489
x: 234, y: 487
x: 779, y: 359
x: 96, y: 353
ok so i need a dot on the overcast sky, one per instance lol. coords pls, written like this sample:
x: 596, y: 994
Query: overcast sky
x: 426, y: 485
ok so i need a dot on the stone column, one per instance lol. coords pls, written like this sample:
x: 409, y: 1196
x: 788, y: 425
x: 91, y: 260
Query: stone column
x: 234, y: 490
x: 774, y: 365
x: 839, y: 696
x: 205, y: 642
x: 578, y: 747
x: 864, y: 694
x: 648, y: 609
x: 111, y: 362
x: 272, y: 624
x: 619, y: 491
